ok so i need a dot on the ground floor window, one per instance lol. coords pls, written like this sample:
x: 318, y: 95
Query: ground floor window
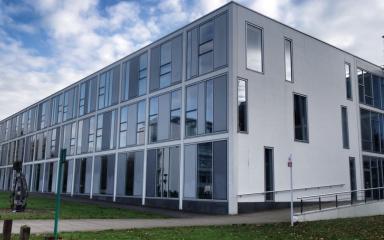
x: 205, y: 170
x: 163, y: 172
x: 83, y: 174
x: 373, y: 177
x: 103, y: 176
x: 130, y: 174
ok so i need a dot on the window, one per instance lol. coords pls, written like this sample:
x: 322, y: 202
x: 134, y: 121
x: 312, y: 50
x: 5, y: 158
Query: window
x: 373, y: 175
x: 269, y: 174
x: 48, y: 177
x: 191, y: 111
x: 344, y: 125
x: 83, y: 174
x: 69, y: 138
x: 86, y: 135
x: 140, y: 134
x: 104, y: 171
x: 242, y: 105
x: 288, y: 59
x: 352, y: 177
x: 153, y: 119
x: 164, y: 117
x: 53, y: 142
x: 69, y: 105
x: 132, y: 128
x: 165, y: 65
x: 123, y: 127
x: 300, y: 118
x: 206, y: 107
x: 43, y: 115
x: 205, y: 171
x: 87, y: 96
x: 130, y: 174
x: 366, y: 130
x: 108, y: 87
x: 143, y: 65
x: 175, y: 114
x: 106, y: 130
x: 348, y: 83
x: 134, y: 82
x: 207, y: 46
x: 163, y: 171
x: 206, y: 34
x: 254, y: 48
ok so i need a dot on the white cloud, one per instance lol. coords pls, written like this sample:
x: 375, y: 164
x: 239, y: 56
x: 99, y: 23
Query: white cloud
x: 82, y: 38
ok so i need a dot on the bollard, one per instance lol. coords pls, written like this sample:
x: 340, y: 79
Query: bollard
x: 7, y: 229
x: 25, y: 231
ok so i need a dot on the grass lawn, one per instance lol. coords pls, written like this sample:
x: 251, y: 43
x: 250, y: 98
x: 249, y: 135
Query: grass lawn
x: 43, y: 208
x: 343, y: 229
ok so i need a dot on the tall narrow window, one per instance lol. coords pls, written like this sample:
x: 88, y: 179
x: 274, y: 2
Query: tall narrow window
x: 344, y: 126
x: 352, y: 177
x: 288, y: 59
x: 175, y: 114
x: 209, y: 107
x: 165, y: 65
x: 191, y: 111
x: 348, y: 83
x: 268, y: 171
x: 242, y: 105
x: 300, y: 118
x: 123, y: 126
x: 254, y: 48
x: 204, y: 170
x: 206, y: 35
x: 140, y: 122
x: 153, y: 118
x: 143, y: 65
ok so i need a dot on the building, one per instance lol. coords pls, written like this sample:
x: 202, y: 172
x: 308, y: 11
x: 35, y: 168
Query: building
x: 205, y: 120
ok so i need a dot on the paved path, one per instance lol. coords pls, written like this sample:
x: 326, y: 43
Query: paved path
x: 46, y: 226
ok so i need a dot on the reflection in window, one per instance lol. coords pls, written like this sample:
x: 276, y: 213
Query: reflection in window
x: 242, y: 105
x: 191, y: 111
x: 143, y: 66
x: 206, y: 35
x: 165, y: 65
x: 140, y: 122
x: 209, y: 107
x: 348, y: 83
x: 288, y: 59
x: 175, y: 114
x: 153, y: 119
x: 204, y: 170
x: 123, y: 126
x: 167, y: 172
x: 254, y: 48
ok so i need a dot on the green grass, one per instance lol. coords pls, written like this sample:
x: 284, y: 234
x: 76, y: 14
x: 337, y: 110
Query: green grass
x: 40, y: 207
x: 368, y: 228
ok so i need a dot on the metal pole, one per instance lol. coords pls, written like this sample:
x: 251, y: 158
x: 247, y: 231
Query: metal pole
x: 291, y: 166
x: 63, y: 153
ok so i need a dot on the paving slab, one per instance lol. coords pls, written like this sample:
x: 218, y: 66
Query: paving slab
x: 81, y: 225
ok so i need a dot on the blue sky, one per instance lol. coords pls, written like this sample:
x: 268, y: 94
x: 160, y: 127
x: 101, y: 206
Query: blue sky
x: 46, y: 45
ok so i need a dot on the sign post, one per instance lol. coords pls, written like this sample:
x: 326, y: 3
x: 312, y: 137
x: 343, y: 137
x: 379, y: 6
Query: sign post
x: 63, y: 153
x: 290, y: 170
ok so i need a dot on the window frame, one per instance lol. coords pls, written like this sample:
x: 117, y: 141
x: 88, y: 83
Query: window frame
x: 247, y: 23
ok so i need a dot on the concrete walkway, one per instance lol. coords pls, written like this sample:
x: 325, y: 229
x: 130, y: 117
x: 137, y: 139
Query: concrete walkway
x: 46, y: 226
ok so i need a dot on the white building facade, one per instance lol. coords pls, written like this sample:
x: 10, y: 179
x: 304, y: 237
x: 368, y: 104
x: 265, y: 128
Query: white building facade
x: 204, y: 120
